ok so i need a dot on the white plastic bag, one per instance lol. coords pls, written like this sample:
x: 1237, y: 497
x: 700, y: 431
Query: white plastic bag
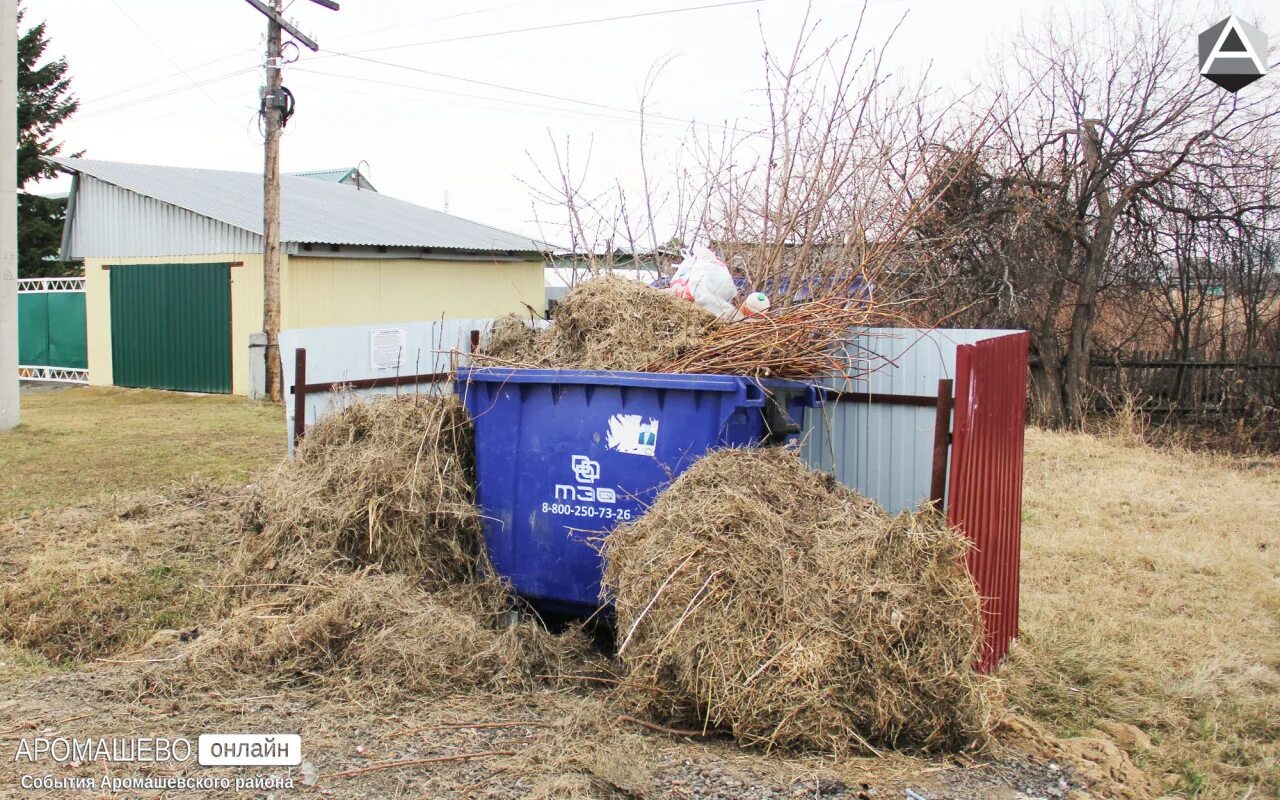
x: 701, y: 277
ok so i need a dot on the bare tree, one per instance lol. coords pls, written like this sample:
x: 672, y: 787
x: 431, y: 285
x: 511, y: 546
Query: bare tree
x: 1093, y: 124
x: 814, y: 201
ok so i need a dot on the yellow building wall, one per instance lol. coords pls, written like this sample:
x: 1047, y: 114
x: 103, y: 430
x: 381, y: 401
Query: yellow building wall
x: 323, y: 292
x: 246, y: 310
x: 319, y: 292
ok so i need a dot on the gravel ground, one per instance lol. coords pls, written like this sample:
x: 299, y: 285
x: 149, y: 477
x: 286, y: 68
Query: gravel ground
x: 545, y: 743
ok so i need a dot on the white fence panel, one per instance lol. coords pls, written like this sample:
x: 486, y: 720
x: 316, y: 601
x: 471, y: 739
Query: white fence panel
x: 383, y: 350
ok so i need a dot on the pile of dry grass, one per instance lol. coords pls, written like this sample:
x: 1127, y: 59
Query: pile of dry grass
x: 362, y: 564
x: 378, y: 634
x: 387, y: 484
x: 770, y: 600
x: 605, y: 323
x: 86, y: 581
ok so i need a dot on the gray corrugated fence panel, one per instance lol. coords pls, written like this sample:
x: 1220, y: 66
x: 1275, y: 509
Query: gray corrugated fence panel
x: 111, y: 222
x: 344, y: 354
x: 886, y: 451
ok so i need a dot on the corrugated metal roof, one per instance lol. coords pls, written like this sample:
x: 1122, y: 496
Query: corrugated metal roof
x: 110, y: 222
x: 351, y: 176
x: 331, y: 175
x: 311, y: 211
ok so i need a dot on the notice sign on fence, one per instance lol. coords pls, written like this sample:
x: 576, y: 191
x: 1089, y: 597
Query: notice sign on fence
x: 386, y: 347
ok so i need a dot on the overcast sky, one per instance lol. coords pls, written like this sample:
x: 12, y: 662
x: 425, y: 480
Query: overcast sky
x: 176, y: 81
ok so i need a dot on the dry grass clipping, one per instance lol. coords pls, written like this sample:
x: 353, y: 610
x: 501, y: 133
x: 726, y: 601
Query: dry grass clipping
x: 605, y: 323
x: 513, y: 341
x: 770, y: 600
x: 388, y: 484
x: 362, y: 565
x: 86, y: 581
x: 381, y: 635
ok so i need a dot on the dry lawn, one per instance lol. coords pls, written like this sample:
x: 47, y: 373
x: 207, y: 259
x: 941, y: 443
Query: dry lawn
x: 87, y: 581
x: 1151, y: 595
x: 76, y: 443
x: 85, y: 453
x: 1151, y: 583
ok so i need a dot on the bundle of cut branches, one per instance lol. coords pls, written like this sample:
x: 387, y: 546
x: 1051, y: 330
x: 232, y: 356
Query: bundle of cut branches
x: 613, y: 324
x: 799, y: 341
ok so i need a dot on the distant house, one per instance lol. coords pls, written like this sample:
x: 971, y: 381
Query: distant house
x: 351, y: 176
x: 174, y: 280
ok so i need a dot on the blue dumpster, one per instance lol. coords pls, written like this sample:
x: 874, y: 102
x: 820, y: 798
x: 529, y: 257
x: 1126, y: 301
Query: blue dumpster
x: 564, y: 455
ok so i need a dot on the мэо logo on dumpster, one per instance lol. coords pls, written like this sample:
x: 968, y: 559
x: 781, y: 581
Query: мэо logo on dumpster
x: 586, y: 472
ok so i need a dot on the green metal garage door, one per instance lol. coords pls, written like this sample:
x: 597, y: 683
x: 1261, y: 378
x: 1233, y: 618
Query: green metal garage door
x: 171, y: 326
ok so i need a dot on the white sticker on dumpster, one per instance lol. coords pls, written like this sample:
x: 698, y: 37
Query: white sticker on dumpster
x: 632, y: 433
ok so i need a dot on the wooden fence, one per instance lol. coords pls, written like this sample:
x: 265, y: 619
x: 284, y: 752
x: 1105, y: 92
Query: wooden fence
x: 1165, y: 383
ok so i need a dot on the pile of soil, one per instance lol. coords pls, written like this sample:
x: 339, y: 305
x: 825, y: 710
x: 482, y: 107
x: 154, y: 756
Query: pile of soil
x: 762, y: 597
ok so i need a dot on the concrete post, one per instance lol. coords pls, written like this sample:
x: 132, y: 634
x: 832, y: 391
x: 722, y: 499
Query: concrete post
x: 9, y: 412
x: 258, y: 366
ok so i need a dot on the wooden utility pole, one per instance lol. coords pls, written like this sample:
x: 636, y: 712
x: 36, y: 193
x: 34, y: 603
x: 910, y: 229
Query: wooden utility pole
x: 272, y: 114
x: 276, y: 106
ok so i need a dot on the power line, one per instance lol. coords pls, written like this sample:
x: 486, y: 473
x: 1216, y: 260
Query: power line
x: 471, y: 13
x: 558, y: 25
x: 487, y: 84
x: 165, y: 94
x: 161, y: 79
x: 356, y: 55
x: 631, y: 113
x: 502, y: 87
x: 503, y: 100
x: 169, y: 58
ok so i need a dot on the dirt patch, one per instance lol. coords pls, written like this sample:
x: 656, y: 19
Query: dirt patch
x: 1098, y: 763
x: 763, y: 597
x: 552, y: 743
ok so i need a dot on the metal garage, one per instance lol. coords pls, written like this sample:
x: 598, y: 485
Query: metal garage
x: 174, y: 277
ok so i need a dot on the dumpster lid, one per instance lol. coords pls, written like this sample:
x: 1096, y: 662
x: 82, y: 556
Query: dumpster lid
x: 651, y: 380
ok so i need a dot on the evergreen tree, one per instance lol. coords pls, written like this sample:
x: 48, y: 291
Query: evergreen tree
x: 44, y: 102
